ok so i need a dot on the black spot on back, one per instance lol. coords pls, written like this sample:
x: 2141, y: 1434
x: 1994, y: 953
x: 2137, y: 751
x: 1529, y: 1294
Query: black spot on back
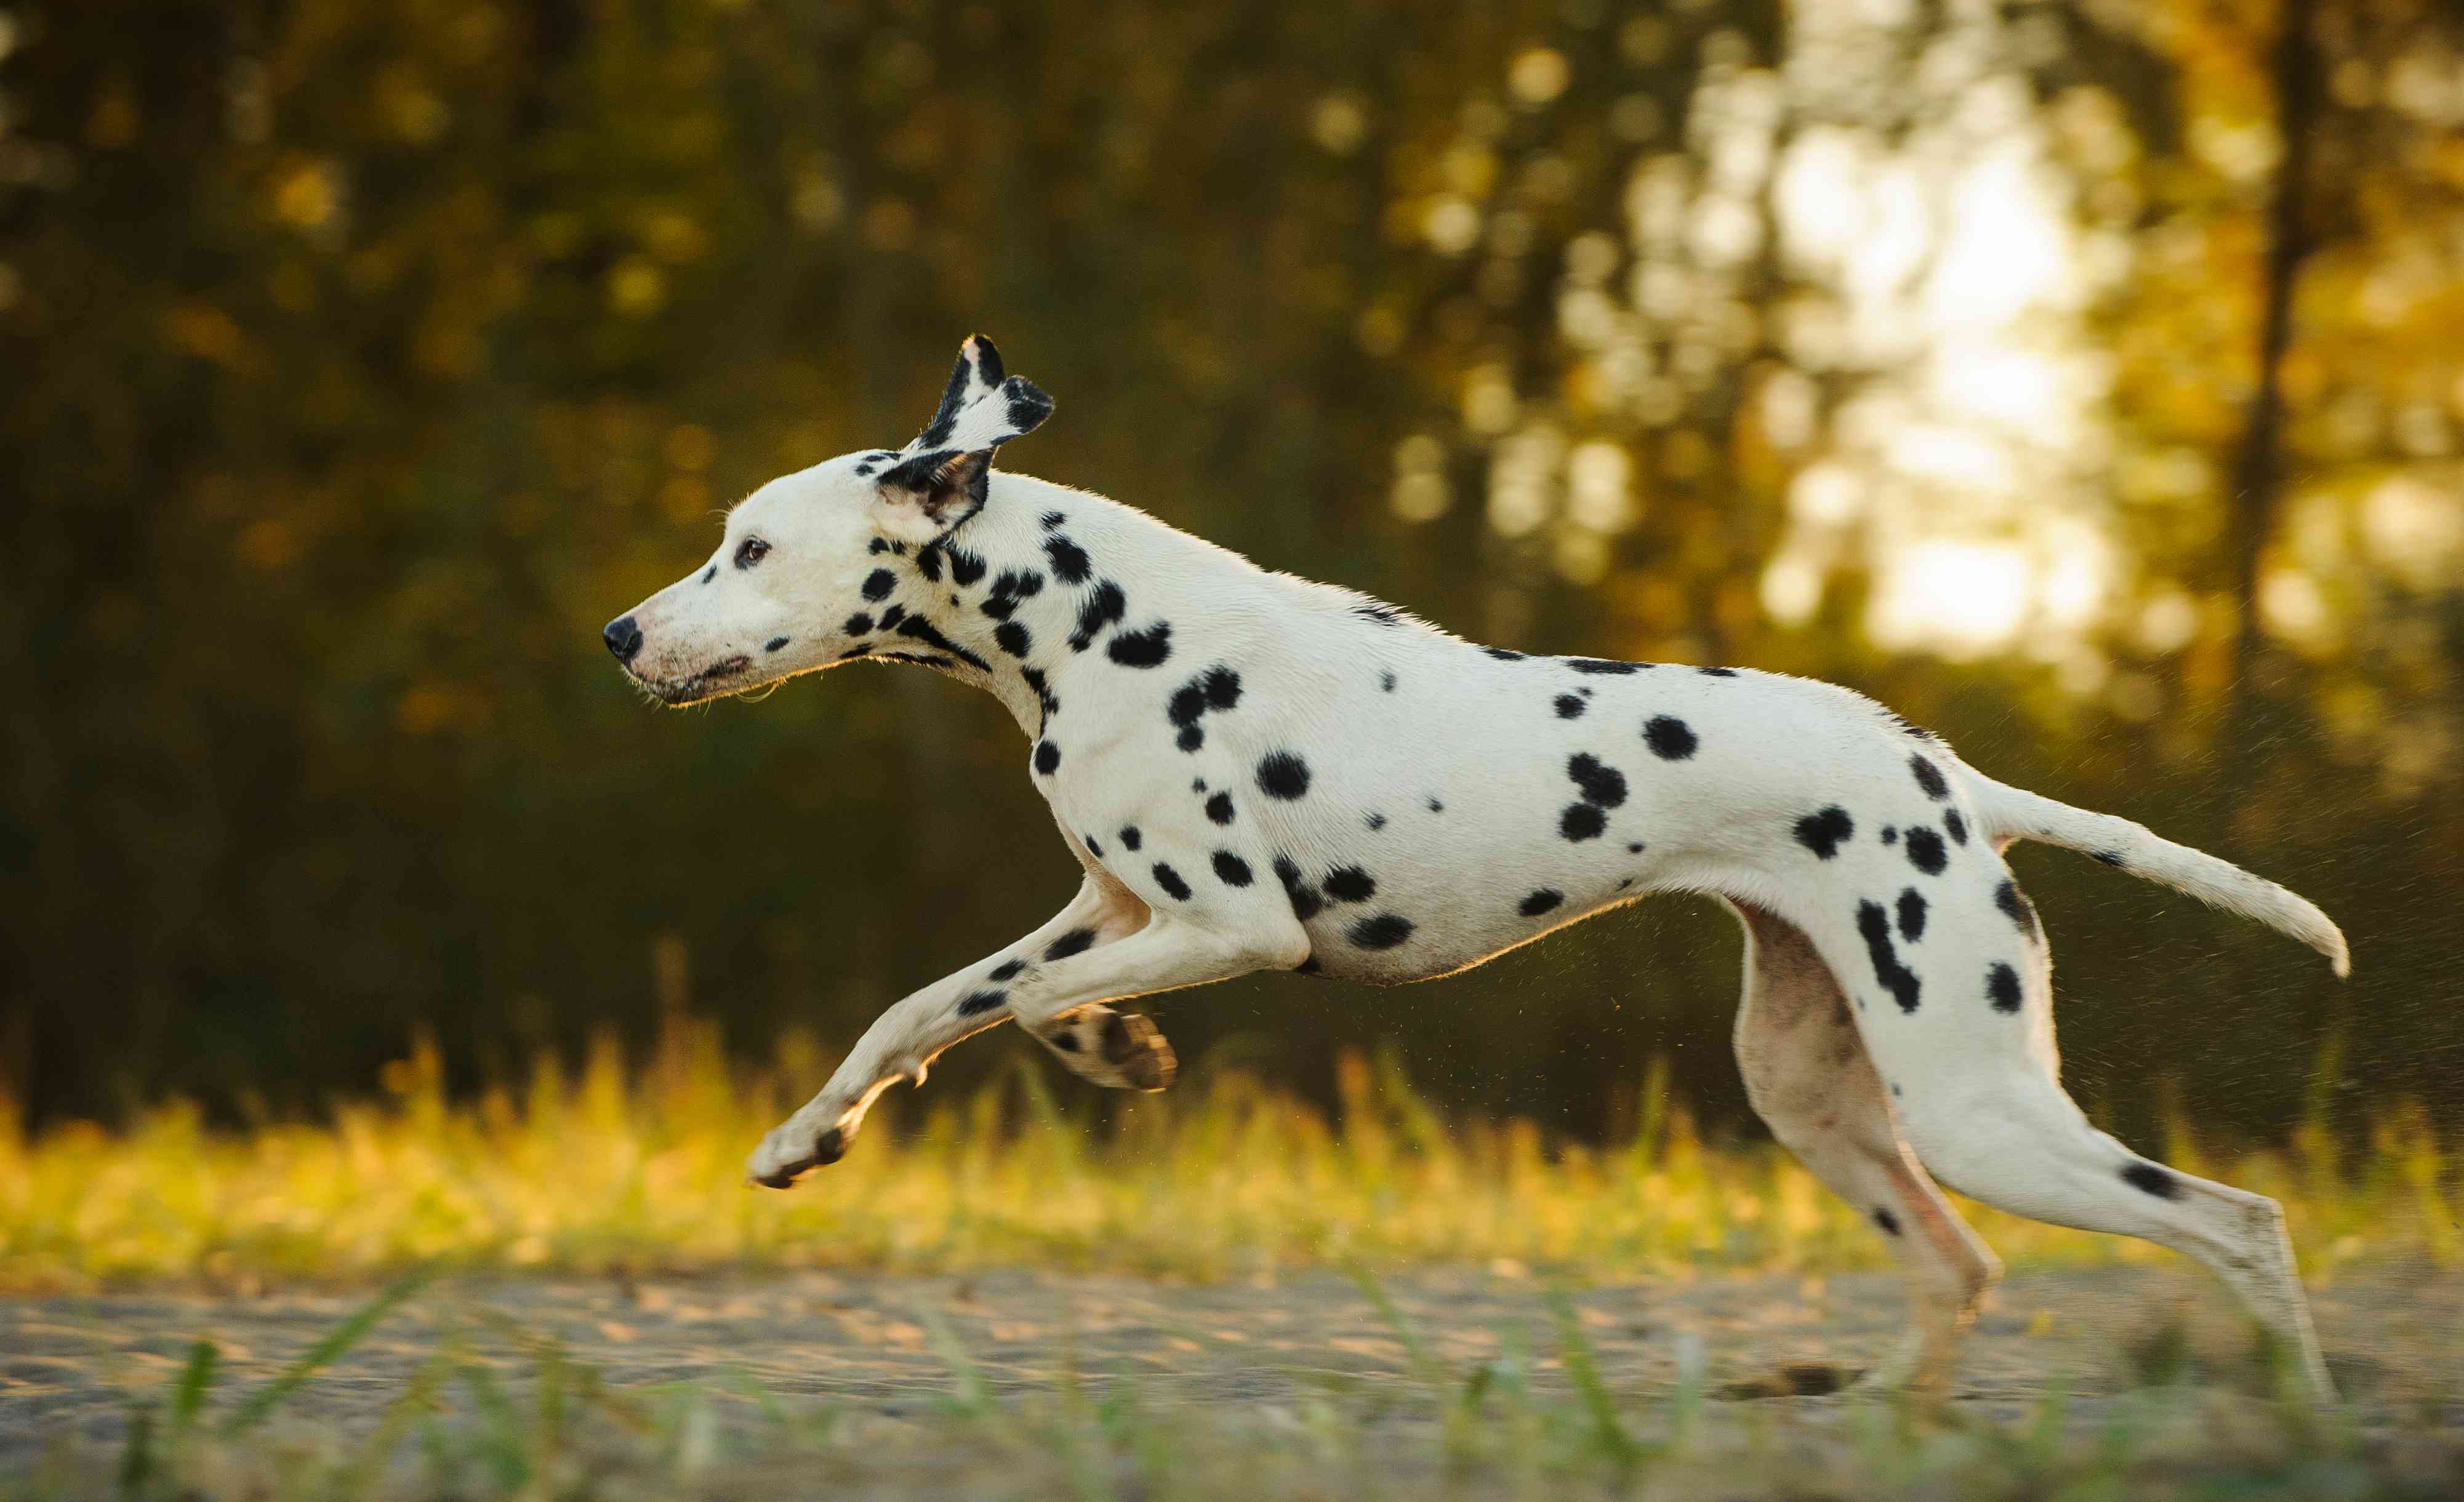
x: 1929, y: 777
x: 2017, y: 907
x: 1170, y: 882
x: 1146, y: 648
x: 890, y: 617
x: 878, y: 584
x: 1013, y: 638
x: 1823, y: 832
x: 1888, y: 1222
x: 1954, y: 825
x: 1717, y: 672
x: 965, y: 567
x: 1047, y: 757
x: 1350, y: 884
x: 1386, y: 680
x: 1912, y: 915
x: 976, y: 1003
x: 1543, y: 900
x: 1570, y: 707
x: 1130, y: 836
x: 2109, y: 858
x: 1382, y: 614
x: 1232, y: 869
x: 1670, y: 739
x: 1075, y: 941
x: 1581, y: 822
x: 774, y: 644
x: 1104, y: 606
x: 1007, y: 970
x: 1925, y: 851
x: 1383, y: 932
x: 1602, y: 783
x: 1600, y: 665
x: 1220, y: 808
x: 709, y: 573
x: 1375, y: 822
x: 1503, y: 654
x: 1069, y: 562
x: 1895, y: 978
x: 856, y: 625
x: 1051, y: 519
x: 1282, y: 774
x: 2002, y: 986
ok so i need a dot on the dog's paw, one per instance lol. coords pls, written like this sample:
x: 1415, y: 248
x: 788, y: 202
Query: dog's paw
x: 1119, y: 1050
x: 792, y: 1150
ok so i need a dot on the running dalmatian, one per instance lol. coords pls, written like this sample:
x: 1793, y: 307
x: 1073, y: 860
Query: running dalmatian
x: 1262, y: 773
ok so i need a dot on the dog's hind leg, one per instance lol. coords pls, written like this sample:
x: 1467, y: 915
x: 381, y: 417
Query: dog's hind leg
x: 1809, y: 1078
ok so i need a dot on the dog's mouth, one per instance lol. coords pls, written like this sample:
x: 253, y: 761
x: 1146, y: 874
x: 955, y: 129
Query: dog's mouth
x: 711, y: 682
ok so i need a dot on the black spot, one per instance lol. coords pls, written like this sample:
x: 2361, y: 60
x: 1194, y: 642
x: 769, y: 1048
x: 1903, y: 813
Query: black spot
x: 1013, y: 638
x: 1602, y: 783
x: 1912, y: 728
x: 1307, y: 966
x: 1890, y: 834
x: 879, y: 544
x: 1350, y: 884
x: 774, y: 644
x: 1954, y: 825
x: 1600, y: 665
x: 1823, y: 832
x: 2002, y: 986
x: 2148, y: 1178
x: 1717, y: 672
x: 1197, y: 785
x: 1007, y: 970
x: 1386, y: 680
x: 1636, y: 848
x: 1035, y: 680
x: 878, y: 584
x: 859, y: 649
x: 1047, y: 757
x: 1218, y: 688
x: 1912, y: 915
x: 2109, y: 858
x: 1232, y: 869
x: 890, y: 617
x: 1220, y: 808
x: 1889, y: 1223
x: 1304, y: 900
x: 710, y: 574
x: 2017, y: 907
x: 1502, y: 654
x: 1170, y: 882
x: 1282, y: 774
x: 1670, y: 739
x: 1895, y: 978
x: 1078, y: 941
x: 977, y: 1001
x: 1093, y: 848
x: 1929, y: 778
x: 1146, y: 648
x: 1375, y: 822
x: 1051, y: 519
x: 1130, y: 836
x: 1069, y: 562
x: 1064, y: 1040
x: 1382, y: 614
x: 925, y: 631
x: 965, y: 567
x: 928, y: 560
x: 1436, y: 807
x: 1008, y: 590
x: 1925, y: 851
x: 1543, y: 900
x: 1103, y: 606
x: 1570, y: 707
x: 1581, y: 822
x: 1383, y: 932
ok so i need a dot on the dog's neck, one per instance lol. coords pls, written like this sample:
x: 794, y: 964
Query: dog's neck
x: 1047, y: 561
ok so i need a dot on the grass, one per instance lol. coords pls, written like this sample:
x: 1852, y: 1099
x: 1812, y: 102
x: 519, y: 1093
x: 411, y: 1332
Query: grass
x: 495, y: 1409
x: 615, y: 1170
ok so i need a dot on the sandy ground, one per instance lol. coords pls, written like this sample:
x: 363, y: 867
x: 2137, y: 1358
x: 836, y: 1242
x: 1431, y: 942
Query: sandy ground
x: 69, y: 1366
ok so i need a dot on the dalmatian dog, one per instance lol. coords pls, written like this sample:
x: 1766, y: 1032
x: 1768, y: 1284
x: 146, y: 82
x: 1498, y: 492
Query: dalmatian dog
x: 1257, y: 772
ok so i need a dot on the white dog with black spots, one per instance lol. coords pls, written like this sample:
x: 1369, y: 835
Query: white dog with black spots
x: 1257, y: 772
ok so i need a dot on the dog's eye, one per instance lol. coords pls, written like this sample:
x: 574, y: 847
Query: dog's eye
x: 751, y: 551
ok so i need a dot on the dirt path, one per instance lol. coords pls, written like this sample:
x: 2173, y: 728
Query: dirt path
x: 70, y: 1365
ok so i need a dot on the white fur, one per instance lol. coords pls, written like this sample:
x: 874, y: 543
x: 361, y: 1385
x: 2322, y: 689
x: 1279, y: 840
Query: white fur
x: 1448, y: 790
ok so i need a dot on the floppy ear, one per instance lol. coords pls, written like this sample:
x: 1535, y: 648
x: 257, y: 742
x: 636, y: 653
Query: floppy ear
x: 941, y: 477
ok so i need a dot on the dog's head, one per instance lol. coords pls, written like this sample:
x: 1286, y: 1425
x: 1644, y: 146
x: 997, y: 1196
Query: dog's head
x: 805, y: 560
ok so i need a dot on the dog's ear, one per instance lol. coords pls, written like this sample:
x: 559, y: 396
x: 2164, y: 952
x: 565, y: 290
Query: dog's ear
x: 941, y: 477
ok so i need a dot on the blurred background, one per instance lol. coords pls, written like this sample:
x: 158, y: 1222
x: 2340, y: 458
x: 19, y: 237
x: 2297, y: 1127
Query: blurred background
x: 2085, y: 379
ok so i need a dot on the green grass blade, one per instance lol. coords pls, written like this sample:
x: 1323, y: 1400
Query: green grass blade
x: 1584, y: 1372
x: 136, y: 1473
x: 1431, y: 1373
x: 196, y: 1380
x: 261, y: 1404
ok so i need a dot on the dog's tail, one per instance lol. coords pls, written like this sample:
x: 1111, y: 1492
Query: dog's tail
x: 2010, y: 812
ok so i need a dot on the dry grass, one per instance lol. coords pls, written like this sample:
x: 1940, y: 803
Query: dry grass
x: 616, y: 1169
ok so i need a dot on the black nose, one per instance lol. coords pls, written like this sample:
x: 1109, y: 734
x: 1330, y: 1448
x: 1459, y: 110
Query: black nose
x: 623, y: 637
